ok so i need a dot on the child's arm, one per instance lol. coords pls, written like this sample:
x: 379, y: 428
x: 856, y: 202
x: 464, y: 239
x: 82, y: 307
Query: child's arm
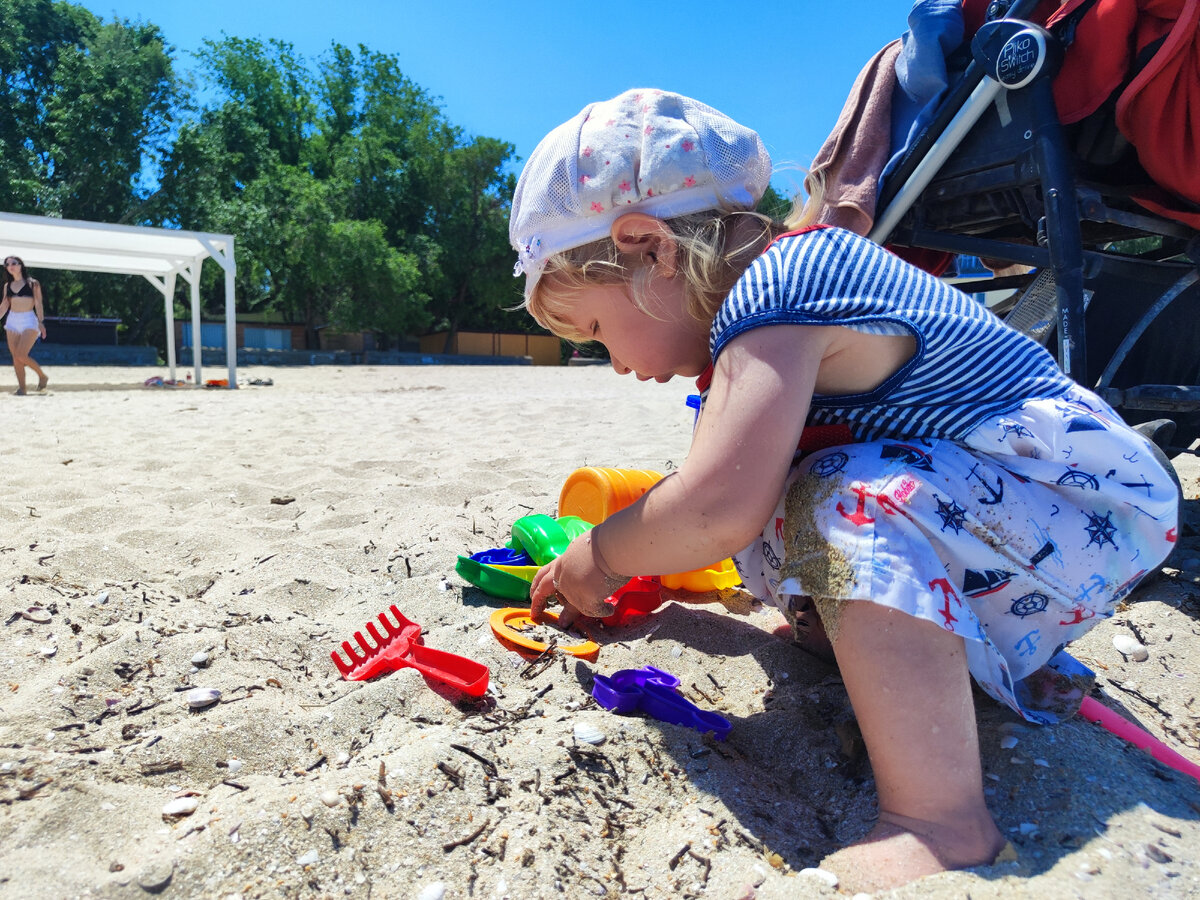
x: 730, y: 483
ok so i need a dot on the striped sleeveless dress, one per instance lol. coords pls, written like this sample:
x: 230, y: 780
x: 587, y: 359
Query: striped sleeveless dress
x: 980, y: 488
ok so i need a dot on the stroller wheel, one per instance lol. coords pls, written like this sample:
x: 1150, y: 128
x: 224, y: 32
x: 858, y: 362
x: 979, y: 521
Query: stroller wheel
x: 1164, y: 354
x: 1160, y: 431
x: 1164, y: 429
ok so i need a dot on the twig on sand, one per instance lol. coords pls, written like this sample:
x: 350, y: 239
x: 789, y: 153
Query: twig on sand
x: 452, y: 773
x: 463, y: 841
x: 678, y: 856
x: 1136, y: 693
x: 488, y: 766
x: 542, y: 661
x: 385, y: 793
x: 696, y: 688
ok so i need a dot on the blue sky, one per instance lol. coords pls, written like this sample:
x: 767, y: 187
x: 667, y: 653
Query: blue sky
x: 515, y: 70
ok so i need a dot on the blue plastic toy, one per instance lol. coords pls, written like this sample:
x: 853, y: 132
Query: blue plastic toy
x: 652, y: 691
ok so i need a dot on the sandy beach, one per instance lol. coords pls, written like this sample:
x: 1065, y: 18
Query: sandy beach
x: 154, y: 541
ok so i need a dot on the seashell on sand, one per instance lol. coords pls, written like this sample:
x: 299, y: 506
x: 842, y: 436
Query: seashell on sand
x: 200, y: 660
x: 180, y: 807
x: 1131, y: 648
x: 198, y: 698
x: 588, y: 733
x: 331, y: 798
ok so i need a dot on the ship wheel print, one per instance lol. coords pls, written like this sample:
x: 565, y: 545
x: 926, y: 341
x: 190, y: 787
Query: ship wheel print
x: 1076, y: 478
x: 830, y: 465
x: 1030, y: 604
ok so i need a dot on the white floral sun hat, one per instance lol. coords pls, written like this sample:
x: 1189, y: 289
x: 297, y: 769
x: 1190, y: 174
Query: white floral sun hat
x: 646, y: 151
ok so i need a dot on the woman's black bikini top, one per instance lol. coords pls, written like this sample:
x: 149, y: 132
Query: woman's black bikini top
x: 25, y: 291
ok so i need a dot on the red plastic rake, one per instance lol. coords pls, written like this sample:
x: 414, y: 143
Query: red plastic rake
x: 401, y: 648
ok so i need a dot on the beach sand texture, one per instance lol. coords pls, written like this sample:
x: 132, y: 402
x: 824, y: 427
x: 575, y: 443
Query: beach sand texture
x: 140, y: 527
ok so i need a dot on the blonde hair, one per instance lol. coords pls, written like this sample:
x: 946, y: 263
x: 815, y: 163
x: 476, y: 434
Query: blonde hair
x: 713, y: 249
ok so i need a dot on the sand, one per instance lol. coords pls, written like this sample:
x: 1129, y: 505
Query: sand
x: 143, y: 526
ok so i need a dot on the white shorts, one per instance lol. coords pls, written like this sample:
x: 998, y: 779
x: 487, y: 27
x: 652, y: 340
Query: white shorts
x: 1019, y: 538
x: 21, y: 321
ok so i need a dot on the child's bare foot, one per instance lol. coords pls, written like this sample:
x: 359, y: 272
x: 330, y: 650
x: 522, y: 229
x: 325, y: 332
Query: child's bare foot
x: 893, y: 854
x: 42, y: 382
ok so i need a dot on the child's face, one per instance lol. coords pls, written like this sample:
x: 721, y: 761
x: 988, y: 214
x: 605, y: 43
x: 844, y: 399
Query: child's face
x: 670, y: 342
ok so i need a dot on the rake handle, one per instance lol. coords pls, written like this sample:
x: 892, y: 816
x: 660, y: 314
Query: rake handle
x: 467, y: 675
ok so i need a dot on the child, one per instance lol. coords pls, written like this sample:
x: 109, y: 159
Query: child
x: 981, y: 509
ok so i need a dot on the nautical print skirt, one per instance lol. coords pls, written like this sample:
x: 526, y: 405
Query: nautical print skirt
x: 1018, y: 538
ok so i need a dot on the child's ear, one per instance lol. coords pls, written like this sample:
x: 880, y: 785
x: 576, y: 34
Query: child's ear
x: 647, y: 237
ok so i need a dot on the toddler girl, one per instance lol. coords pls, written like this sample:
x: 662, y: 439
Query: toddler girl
x: 969, y: 511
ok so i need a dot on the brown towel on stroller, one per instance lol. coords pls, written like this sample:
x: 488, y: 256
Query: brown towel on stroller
x: 853, y: 156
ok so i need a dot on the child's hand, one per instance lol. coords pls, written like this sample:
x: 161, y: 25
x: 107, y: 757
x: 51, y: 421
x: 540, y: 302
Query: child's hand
x: 577, y: 581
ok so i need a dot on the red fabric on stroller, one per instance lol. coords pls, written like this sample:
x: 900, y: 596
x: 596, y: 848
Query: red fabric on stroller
x: 1158, y: 111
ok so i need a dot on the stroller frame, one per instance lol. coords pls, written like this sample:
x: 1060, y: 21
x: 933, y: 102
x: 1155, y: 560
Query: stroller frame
x: 1018, y: 199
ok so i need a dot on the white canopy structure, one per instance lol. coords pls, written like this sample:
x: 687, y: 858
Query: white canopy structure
x: 158, y: 254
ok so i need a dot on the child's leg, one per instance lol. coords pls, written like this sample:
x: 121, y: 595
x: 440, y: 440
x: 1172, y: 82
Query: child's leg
x: 807, y: 629
x: 911, y: 692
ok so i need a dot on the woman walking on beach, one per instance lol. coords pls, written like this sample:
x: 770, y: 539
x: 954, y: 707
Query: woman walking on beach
x: 22, y: 300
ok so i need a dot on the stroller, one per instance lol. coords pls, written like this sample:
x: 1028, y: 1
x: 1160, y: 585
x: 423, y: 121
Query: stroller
x: 1054, y: 152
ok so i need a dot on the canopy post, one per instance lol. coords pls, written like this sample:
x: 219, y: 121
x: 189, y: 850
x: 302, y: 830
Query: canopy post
x: 196, y: 325
x: 222, y: 252
x: 230, y: 325
x: 166, y: 287
x: 169, y: 301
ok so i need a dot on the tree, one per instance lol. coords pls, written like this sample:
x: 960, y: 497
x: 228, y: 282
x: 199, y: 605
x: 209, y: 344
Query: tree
x: 85, y: 107
x: 85, y: 111
x: 353, y: 200
x: 356, y: 203
x: 470, y: 224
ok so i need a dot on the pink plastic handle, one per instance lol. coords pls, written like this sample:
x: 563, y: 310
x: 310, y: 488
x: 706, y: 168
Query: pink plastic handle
x: 1097, y: 712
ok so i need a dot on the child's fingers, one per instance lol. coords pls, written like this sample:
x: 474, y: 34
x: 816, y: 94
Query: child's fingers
x: 567, y: 616
x: 541, y: 590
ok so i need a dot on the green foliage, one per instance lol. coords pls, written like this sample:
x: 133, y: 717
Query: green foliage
x: 774, y: 204
x: 353, y: 201
x: 85, y: 109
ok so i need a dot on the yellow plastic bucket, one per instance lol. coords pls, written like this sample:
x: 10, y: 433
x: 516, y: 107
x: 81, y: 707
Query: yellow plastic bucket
x: 595, y: 493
